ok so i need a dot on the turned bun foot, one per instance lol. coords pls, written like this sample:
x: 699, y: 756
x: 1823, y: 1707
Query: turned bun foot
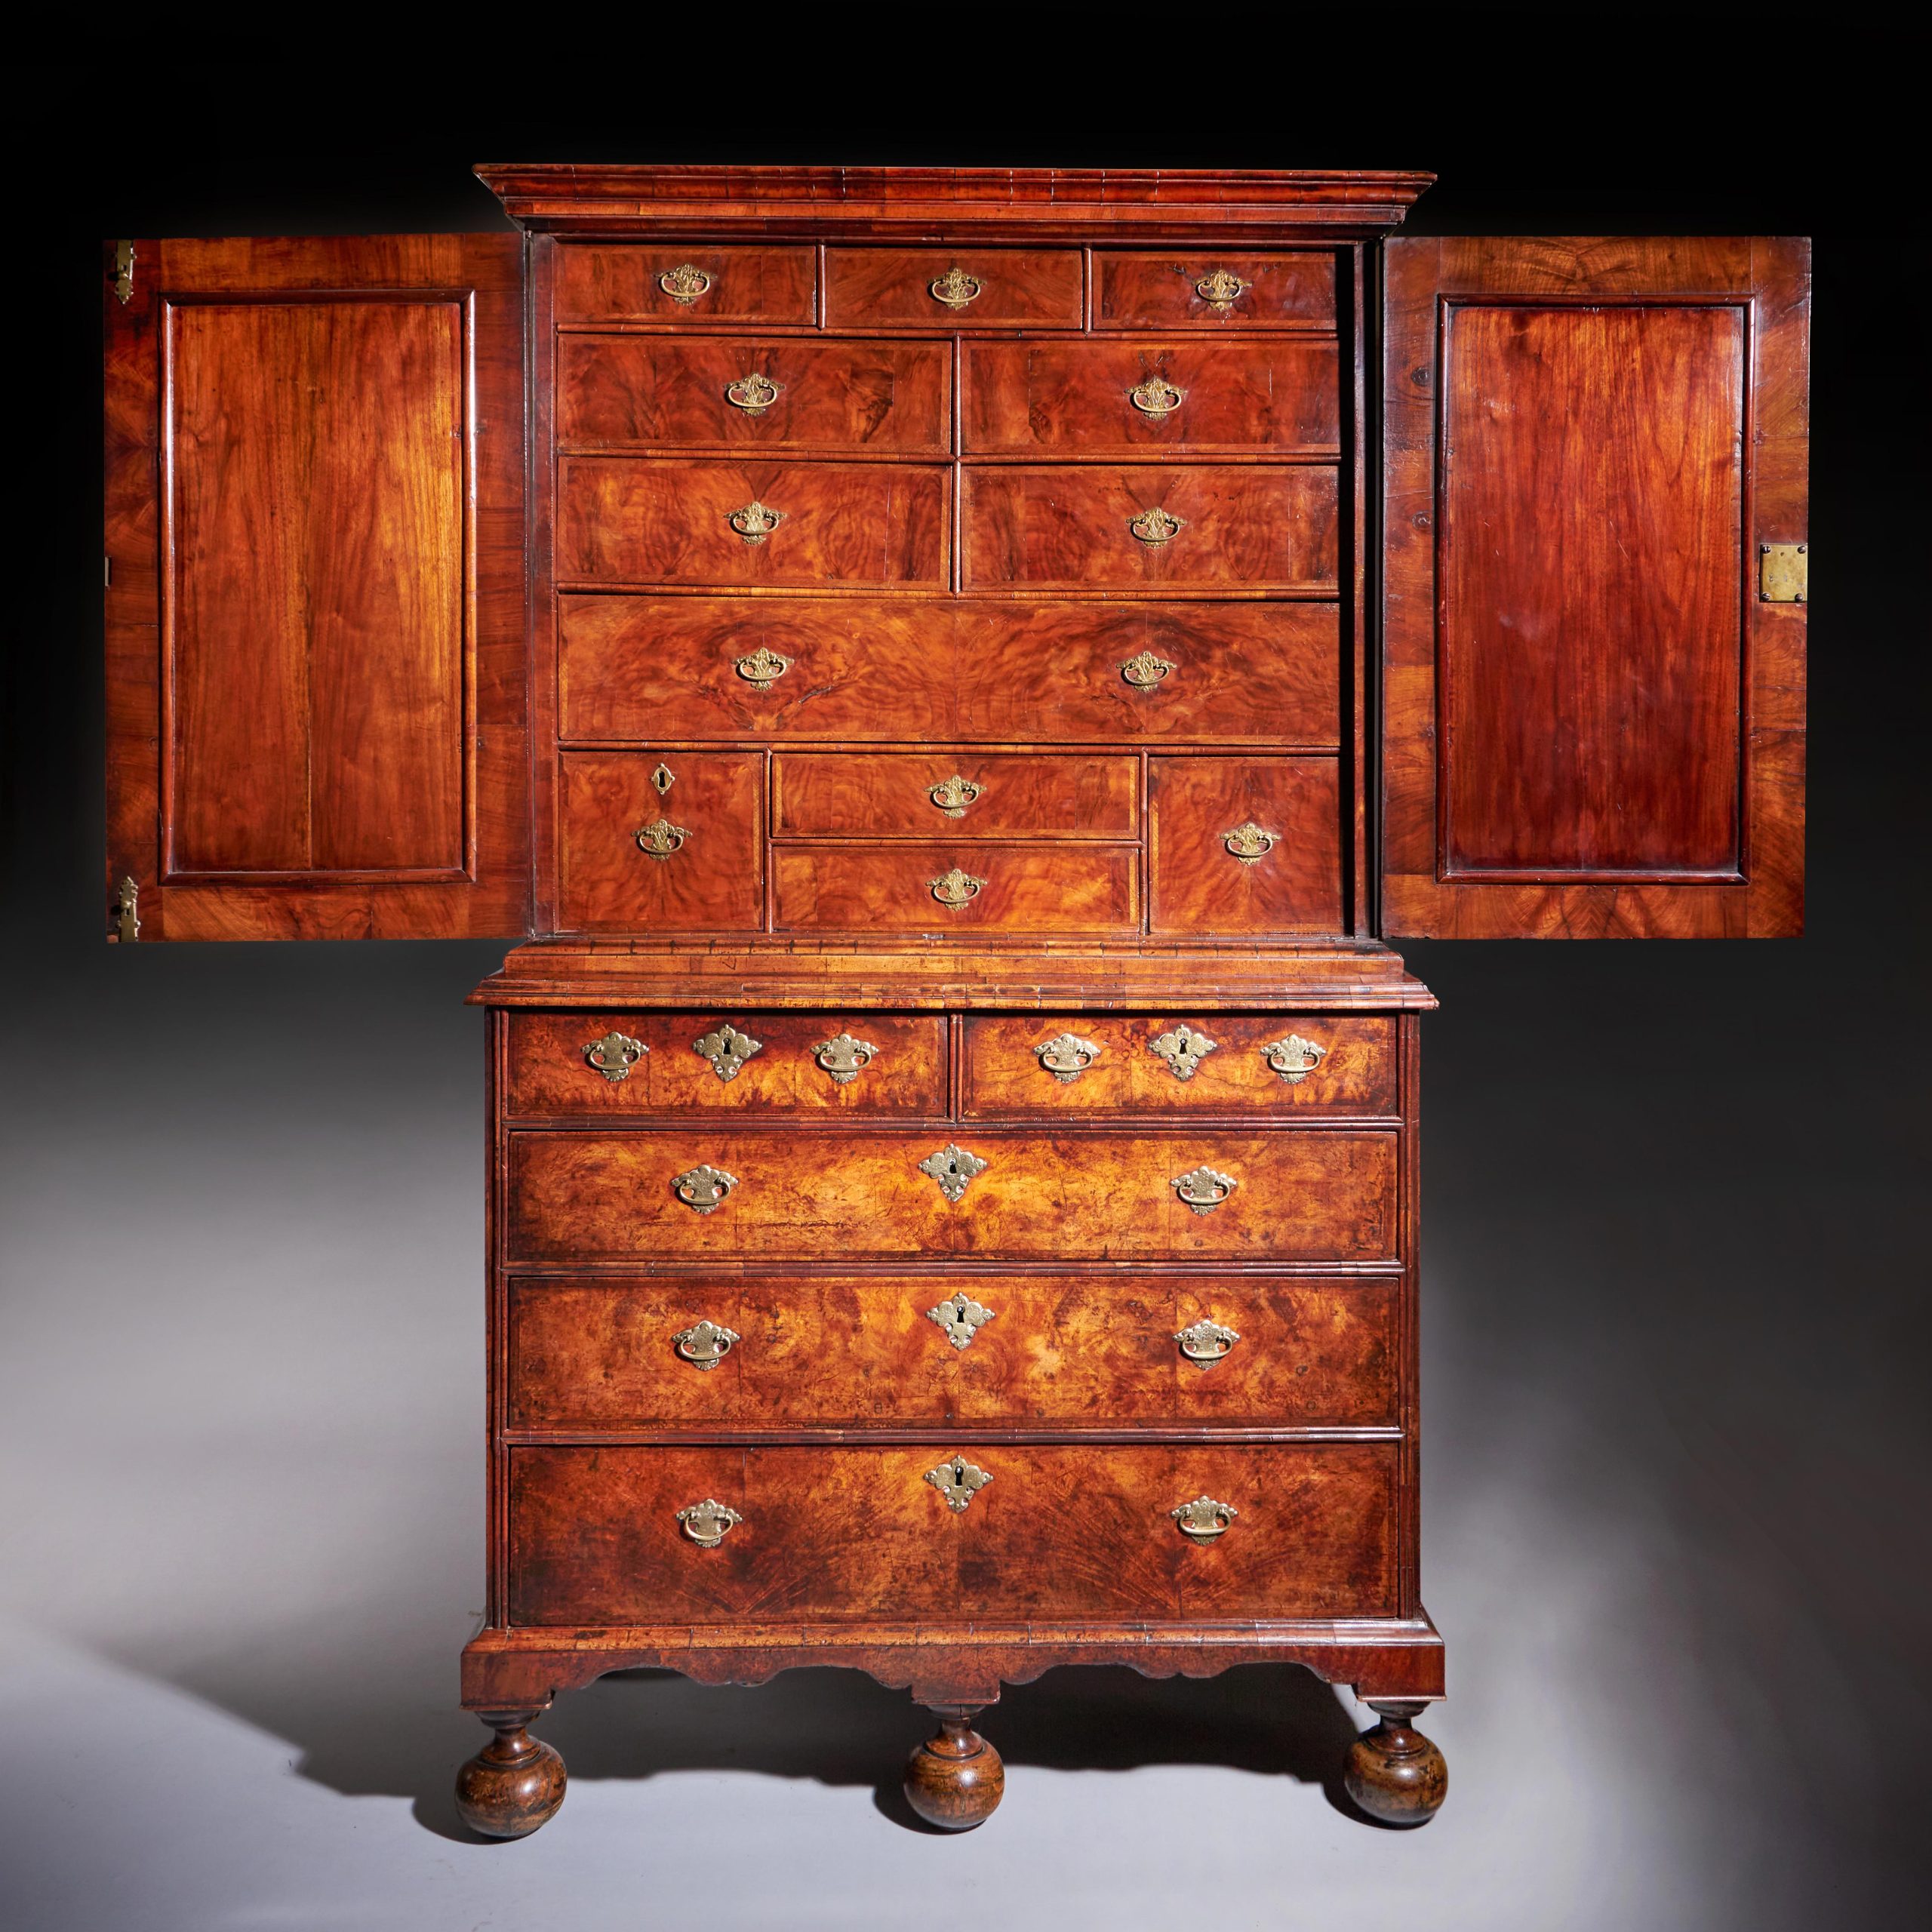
x: 1394, y: 1773
x: 513, y: 1785
x: 954, y: 1779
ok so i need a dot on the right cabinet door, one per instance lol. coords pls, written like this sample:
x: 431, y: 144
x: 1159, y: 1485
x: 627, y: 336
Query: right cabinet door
x: 1593, y: 715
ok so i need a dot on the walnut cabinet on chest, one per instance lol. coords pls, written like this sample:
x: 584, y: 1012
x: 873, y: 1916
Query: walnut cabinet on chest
x: 956, y: 673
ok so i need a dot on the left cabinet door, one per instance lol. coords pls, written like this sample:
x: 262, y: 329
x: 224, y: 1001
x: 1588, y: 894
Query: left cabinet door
x: 317, y: 708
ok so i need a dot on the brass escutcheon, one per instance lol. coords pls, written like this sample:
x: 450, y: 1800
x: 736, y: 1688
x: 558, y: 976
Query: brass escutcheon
x: 955, y: 888
x: 1066, y: 1056
x: 1156, y: 526
x: 660, y: 838
x: 960, y: 1317
x: 1205, y: 1342
x: 1203, y: 1519
x: 1203, y: 1189
x: 1184, y: 1050
x: 1145, y: 671
x: 615, y: 1055
x: 663, y: 779
x: 955, y: 288
x: 127, y: 911
x: 1156, y: 397
x: 843, y: 1057
x: 703, y: 1187
x: 1294, y: 1059
x: 952, y: 1168
x: 762, y: 667
x: 684, y: 284
x: 707, y: 1522
x: 1221, y: 288
x: 726, y: 1049
x: 756, y: 521
x: 1248, y: 842
x: 704, y: 1344
x: 954, y: 795
x: 958, y: 1481
x: 753, y: 394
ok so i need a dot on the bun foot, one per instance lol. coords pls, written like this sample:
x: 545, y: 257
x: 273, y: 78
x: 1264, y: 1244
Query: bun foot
x: 1394, y: 1773
x: 514, y: 1784
x: 955, y: 1779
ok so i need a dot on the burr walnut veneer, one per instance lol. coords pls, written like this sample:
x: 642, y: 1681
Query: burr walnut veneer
x: 955, y: 672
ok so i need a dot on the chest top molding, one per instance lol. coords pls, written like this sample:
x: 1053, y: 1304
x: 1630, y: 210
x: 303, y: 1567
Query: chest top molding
x: 1095, y: 203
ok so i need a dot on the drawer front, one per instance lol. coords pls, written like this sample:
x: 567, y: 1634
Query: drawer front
x: 967, y: 794
x: 855, y: 1531
x: 725, y: 1063
x: 587, y: 1196
x: 1070, y: 1064
x: 822, y: 1352
x: 625, y: 519
x: 1201, y: 527
x: 1245, y: 845
x: 633, y: 858
x: 958, y: 886
x: 787, y: 392
x: 683, y: 285
x: 882, y: 668
x: 916, y: 287
x: 1135, y: 291
x: 1032, y: 398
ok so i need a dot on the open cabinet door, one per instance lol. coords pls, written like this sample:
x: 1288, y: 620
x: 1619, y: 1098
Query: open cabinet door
x: 1593, y: 650
x: 316, y: 689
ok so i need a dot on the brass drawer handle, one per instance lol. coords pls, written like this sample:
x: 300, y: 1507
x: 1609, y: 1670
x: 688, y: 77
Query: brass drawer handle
x: 704, y: 1187
x: 955, y: 288
x: 1249, y: 843
x: 1203, y: 1519
x: 1066, y: 1056
x: 615, y: 1055
x: 1205, y: 1342
x: 961, y: 1318
x: 955, y: 888
x: 1294, y: 1059
x: 1184, y: 1050
x: 1156, y: 397
x: 754, y: 394
x: 684, y: 284
x: 951, y: 1167
x: 705, y: 1344
x: 726, y: 1049
x: 954, y: 795
x: 762, y: 667
x: 1145, y: 671
x: 958, y: 1481
x: 660, y: 838
x: 1203, y: 1189
x: 756, y: 521
x: 844, y: 1057
x: 1156, y: 526
x: 1221, y: 288
x: 706, y: 1523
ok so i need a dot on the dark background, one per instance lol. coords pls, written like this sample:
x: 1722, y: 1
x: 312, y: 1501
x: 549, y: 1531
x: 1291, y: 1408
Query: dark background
x: 1675, y: 1313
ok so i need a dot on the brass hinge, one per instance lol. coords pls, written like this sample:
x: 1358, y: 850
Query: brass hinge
x: 1782, y: 573
x: 127, y: 912
x: 123, y: 272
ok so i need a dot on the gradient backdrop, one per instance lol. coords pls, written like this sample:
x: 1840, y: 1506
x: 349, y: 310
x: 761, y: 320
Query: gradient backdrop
x: 1675, y: 1331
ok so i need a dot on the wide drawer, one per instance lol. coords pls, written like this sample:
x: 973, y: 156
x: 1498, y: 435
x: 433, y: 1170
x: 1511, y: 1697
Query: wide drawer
x: 882, y: 1351
x: 618, y: 1063
x: 785, y: 392
x: 630, y: 519
x: 1276, y: 396
x: 1213, y: 288
x: 1150, y: 527
x: 682, y: 285
x: 967, y: 794
x: 959, y: 887
x: 858, y: 668
x: 1070, y: 1064
x: 854, y: 1531
x: 700, y: 1192
x: 943, y: 288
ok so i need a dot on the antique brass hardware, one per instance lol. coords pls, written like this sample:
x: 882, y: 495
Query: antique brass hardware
x: 1156, y: 397
x: 960, y: 1317
x: 954, y: 795
x: 663, y: 779
x: 123, y: 272
x: 1783, y: 573
x: 951, y: 1167
x: 756, y: 521
x: 703, y: 1187
x: 955, y: 888
x: 762, y: 667
x: 955, y: 288
x: 1205, y: 1342
x: 1184, y: 1050
x: 660, y: 838
x: 704, y: 1344
x: 127, y: 911
x: 958, y: 1481
x: 1066, y: 1056
x: 1221, y: 288
x: 1203, y: 1189
x: 843, y: 1057
x: 1145, y: 671
x: 1294, y: 1059
x: 615, y: 1055
x: 1156, y: 526
x: 706, y: 1523
x: 753, y: 394
x: 1248, y: 842
x: 684, y: 284
x: 726, y: 1049
x: 1203, y: 1519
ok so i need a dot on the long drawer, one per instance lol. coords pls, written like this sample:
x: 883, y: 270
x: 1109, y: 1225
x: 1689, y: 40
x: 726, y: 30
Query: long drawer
x: 729, y: 1350
x: 717, y: 1192
x: 1081, y: 1531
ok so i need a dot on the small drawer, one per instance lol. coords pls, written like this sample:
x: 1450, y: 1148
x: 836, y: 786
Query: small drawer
x: 1214, y: 289
x: 725, y: 1062
x: 1151, y: 526
x: 639, y: 854
x: 966, y: 794
x: 1079, y: 1530
x: 958, y: 886
x: 683, y: 285
x: 1070, y: 1064
x: 625, y: 519
x: 886, y: 1351
x: 947, y: 288
x: 722, y: 1191
x: 1277, y: 397
x: 1241, y: 846
x: 789, y: 393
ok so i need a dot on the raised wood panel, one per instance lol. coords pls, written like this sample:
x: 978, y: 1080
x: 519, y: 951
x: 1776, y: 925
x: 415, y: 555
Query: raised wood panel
x: 1059, y: 795
x: 1153, y: 291
x: 623, y: 282
x: 1039, y: 889
x: 1019, y: 288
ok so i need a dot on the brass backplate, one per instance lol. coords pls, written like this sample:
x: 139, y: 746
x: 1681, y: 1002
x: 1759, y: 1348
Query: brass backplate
x: 1783, y: 569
